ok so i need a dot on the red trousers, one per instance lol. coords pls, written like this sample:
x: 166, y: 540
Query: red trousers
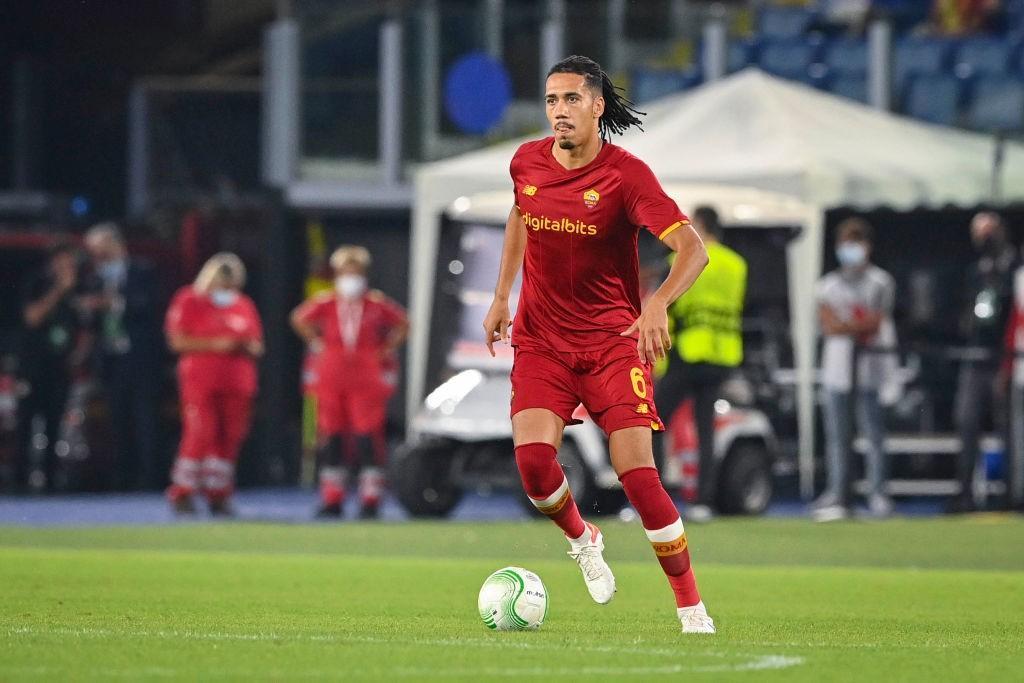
x: 214, y: 424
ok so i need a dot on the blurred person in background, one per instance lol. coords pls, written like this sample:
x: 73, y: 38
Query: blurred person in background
x: 354, y: 333
x: 52, y: 344
x: 855, y: 304
x: 987, y: 305
x: 216, y: 331
x: 123, y: 300
x: 1011, y: 386
x: 706, y: 323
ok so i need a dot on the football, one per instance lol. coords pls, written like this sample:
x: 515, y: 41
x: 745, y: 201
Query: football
x: 513, y: 599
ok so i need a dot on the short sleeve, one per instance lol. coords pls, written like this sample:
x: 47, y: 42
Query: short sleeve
x: 821, y: 291
x: 253, y: 316
x: 512, y: 167
x: 179, y: 313
x: 311, y: 311
x: 394, y: 313
x: 646, y: 203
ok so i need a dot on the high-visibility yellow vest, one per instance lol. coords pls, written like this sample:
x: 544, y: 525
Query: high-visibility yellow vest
x: 706, y: 321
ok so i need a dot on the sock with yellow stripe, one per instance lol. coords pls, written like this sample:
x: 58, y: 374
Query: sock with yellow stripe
x: 664, y: 530
x: 546, y: 485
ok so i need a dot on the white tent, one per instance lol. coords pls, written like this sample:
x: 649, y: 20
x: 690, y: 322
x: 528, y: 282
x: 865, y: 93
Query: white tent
x: 754, y: 131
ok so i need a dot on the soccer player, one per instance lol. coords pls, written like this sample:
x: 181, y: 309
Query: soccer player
x: 216, y: 332
x: 580, y: 335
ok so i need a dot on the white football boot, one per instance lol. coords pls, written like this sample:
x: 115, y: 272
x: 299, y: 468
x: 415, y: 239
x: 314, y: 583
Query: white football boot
x: 695, y: 619
x: 596, y: 572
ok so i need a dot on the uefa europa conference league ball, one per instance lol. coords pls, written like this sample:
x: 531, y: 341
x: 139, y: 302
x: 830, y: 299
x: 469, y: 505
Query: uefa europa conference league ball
x: 513, y: 599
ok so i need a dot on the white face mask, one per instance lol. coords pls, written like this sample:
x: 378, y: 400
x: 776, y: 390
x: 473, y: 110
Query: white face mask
x: 350, y: 286
x: 222, y: 298
x: 851, y: 254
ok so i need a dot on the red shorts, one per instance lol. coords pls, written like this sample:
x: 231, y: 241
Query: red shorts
x: 611, y: 383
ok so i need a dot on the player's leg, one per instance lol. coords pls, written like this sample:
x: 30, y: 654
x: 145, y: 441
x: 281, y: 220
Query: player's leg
x: 633, y: 460
x: 331, y: 426
x: 832, y: 504
x: 544, y: 396
x: 369, y: 416
x: 537, y: 433
x: 619, y: 396
x: 219, y: 469
x: 197, y: 440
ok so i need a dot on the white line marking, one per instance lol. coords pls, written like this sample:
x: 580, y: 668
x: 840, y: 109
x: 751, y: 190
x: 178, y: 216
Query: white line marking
x: 749, y: 662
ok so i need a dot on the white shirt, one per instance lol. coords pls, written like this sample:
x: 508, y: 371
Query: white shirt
x: 851, y: 294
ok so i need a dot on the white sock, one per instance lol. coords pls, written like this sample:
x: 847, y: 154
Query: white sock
x: 699, y: 607
x: 582, y: 540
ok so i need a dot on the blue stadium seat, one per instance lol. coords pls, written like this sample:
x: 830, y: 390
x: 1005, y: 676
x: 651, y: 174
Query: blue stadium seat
x: 850, y: 87
x: 983, y: 57
x: 784, y: 22
x: 997, y: 103
x: 847, y: 57
x: 741, y: 55
x: 919, y: 57
x: 650, y: 84
x: 788, y: 58
x: 934, y: 98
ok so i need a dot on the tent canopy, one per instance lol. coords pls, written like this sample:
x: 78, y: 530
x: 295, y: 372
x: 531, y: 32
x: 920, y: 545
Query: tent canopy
x: 756, y: 131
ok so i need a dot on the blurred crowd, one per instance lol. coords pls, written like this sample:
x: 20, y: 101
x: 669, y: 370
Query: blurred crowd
x: 92, y: 316
x: 91, y: 311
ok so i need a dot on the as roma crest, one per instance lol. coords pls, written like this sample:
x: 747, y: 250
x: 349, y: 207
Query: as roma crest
x: 591, y: 198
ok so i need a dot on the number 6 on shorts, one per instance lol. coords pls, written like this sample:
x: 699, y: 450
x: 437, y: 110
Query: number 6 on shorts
x: 636, y: 376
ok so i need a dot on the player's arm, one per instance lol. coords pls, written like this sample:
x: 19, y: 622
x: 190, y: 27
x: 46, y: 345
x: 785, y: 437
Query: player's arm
x: 181, y: 343
x: 498, y: 318
x: 302, y: 323
x: 652, y: 326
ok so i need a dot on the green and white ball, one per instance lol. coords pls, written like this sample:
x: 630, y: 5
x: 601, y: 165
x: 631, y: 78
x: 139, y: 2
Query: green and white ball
x: 513, y: 599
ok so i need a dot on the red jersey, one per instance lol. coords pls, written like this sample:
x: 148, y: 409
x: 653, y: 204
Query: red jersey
x: 353, y: 333
x: 194, y: 315
x: 581, y: 270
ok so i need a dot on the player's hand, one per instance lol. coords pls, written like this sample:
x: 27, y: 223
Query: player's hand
x: 496, y: 323
x: 651, y: 328
x: 254, y: 347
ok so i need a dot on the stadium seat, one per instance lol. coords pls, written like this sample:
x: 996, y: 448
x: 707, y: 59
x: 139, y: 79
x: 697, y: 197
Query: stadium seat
x: 846, y: 57
x: 919, y: 57
x: 788, y: 58
x: 741, y: 55
x: 650, y: 84
x: 997, y: 104
x: 784, y: 22
x: 983, y: 57
x: 935, y: 99
x: 850, y: 87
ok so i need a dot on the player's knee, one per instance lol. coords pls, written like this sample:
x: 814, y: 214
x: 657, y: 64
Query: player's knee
x: 537, y: 465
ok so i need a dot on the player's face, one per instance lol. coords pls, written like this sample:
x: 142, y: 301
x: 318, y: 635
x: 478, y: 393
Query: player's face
x: 572, y: 109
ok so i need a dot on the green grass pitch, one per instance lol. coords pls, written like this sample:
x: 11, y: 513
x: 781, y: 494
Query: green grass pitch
x: 929, y: 600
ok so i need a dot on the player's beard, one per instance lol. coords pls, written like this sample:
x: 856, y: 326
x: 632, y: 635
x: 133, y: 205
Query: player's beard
x: 566, y: 143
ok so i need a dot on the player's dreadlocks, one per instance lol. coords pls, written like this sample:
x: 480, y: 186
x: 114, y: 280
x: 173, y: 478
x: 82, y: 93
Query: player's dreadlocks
x: 619, y: 112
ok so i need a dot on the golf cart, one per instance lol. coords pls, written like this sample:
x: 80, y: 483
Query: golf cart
x: 461, y: 437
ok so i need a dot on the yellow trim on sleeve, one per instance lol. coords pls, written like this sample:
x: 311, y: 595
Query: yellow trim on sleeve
x: 667, y: 231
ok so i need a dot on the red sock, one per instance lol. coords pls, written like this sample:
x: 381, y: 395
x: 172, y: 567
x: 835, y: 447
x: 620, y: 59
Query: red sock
x: 332, y: 485
x: 664, y: 529
x: 184, y: 477
x: 545, y: 484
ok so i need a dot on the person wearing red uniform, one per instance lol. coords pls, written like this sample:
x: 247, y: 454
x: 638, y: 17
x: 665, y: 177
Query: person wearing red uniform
x: 354, y: 334
x: 580, y: 333
x: 216, y: 331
